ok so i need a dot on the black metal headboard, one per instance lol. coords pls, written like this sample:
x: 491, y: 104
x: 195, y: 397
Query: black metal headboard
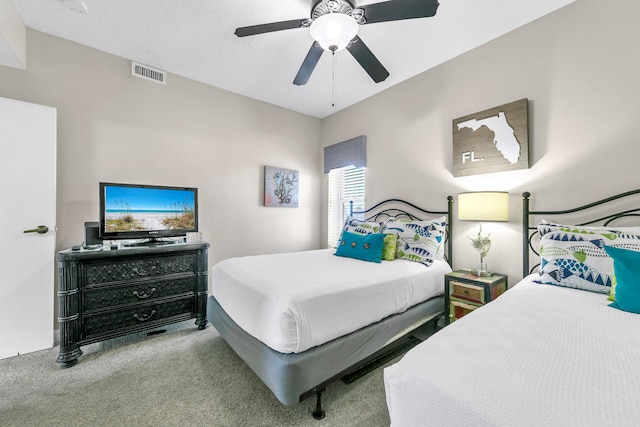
x: 594, y: 217
x: 398, y: 208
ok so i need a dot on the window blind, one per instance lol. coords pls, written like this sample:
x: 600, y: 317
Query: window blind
x: 345, y: 185
x: 352, y: 152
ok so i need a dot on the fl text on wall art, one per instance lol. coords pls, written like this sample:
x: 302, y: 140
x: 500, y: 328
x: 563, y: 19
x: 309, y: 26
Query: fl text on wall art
x: 493, y: 140
x: 280, y: 187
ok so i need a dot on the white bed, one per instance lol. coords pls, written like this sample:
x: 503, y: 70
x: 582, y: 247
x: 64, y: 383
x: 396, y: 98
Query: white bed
x: 541, y: 354
x: 302, y: 320
x: 308, y: 298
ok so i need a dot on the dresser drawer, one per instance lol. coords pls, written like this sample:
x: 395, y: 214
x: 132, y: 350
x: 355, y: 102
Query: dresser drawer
x: 467, y: 291
x: 136, y: 316
x: 146, y: 290
x: 458, y: 309
x: 131, y: 269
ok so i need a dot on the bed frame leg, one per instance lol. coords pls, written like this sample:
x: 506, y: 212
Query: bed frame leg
x: 318, y: 413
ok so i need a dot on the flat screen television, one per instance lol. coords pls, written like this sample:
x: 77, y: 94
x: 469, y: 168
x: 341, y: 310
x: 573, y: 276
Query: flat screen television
x: 151, y: 212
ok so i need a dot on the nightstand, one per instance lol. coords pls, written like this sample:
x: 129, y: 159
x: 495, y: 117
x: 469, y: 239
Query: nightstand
x: 464, y: 292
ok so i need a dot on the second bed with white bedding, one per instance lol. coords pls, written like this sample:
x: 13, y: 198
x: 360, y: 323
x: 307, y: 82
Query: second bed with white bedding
x: 295, y: 301
x: 538, y: 355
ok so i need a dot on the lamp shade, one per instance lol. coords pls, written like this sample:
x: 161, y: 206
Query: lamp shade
x: 483, y: 206
x: 334, y: 31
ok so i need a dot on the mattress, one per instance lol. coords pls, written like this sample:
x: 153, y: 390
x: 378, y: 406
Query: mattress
x: 292, y: 302
x: 293, y: 376
x: 539, y: 355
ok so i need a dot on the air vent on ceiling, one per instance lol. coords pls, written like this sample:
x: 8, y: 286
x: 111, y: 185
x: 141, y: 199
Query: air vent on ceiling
x: 148, y: 73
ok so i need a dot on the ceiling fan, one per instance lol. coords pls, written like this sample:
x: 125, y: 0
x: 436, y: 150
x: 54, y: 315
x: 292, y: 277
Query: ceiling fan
x: 334, y: 26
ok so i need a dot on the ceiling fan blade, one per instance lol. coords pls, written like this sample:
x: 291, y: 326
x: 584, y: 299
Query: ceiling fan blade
x: 308, y: 65
x: 268, y: 28
x: 396, y: 10
x: 368, y: 60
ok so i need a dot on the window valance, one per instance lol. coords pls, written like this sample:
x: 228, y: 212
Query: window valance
x: 346, y: 153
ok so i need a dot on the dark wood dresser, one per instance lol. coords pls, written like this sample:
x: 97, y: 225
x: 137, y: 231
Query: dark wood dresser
x: 108, y: 293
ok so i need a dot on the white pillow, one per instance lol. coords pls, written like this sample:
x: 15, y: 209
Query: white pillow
x: 359, y: 226
x: 420, y: 241
x: 574, y: 256
x: 546, y: 226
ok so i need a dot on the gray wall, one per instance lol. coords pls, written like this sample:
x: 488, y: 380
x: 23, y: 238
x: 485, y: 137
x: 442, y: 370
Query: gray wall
x: 579, y: 69
x: 118, y: 128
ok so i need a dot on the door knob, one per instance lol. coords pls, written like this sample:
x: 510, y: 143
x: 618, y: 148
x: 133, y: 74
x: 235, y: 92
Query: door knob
x: 41, y: 229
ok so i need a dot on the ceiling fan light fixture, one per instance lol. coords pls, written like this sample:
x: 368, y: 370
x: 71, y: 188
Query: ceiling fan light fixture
x: 334, y: 31
x: 358, y: 16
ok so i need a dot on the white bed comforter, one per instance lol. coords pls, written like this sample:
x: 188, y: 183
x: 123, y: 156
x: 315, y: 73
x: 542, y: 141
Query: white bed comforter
x: 539, y: 355
x: 294, y: 301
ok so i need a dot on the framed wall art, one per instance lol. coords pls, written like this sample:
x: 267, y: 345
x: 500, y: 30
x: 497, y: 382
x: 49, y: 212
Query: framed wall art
x: 493, y: 140
x: 280, y: 187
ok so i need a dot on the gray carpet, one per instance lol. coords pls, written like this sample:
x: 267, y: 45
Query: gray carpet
x: 178, y: 378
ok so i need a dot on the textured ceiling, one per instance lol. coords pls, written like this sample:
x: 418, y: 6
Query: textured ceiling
x: 195, y: 39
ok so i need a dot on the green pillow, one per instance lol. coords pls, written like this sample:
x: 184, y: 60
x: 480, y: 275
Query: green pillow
x: 626, y: 267
x: 612, y: 292
x: 389, y: 247
x: 367, y: 247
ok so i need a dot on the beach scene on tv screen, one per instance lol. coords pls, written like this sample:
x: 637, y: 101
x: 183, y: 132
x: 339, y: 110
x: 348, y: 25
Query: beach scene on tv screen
x: 148, y: 209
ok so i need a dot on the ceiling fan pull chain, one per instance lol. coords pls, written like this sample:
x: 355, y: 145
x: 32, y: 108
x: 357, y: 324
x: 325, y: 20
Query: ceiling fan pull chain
x: 333, y: 95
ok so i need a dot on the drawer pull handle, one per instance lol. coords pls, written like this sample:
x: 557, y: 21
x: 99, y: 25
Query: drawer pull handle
x: 142, y: 272
x: 144, y: 295
x: 466, y: 292
x: 144, y: 318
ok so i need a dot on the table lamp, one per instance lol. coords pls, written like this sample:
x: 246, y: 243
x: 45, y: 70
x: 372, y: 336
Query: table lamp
x: 483, y: 206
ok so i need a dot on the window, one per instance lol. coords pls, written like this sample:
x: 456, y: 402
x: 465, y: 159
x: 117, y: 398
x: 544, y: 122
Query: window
x: 346, y: 184
x: 344, y: 162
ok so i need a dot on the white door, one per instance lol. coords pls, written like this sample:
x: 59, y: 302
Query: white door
x: 28, y: 200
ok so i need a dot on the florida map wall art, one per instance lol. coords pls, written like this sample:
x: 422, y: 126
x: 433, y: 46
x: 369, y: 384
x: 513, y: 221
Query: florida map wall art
x: 493, y: 140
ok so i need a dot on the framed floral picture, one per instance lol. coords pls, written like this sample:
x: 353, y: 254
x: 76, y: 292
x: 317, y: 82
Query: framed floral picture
x: 281, y: 187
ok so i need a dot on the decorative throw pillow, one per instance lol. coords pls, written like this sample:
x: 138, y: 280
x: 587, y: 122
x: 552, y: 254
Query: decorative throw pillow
x: 366, y: 247
x: 574, y: 256
x: 547, y: 226
x: 420, y: 241
x: 389, y: 247
x: 626, y: 265
x: 359, y: 226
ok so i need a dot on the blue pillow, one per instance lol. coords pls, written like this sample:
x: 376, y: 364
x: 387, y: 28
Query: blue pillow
x: 367, y: 247
x: 626, y: 266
